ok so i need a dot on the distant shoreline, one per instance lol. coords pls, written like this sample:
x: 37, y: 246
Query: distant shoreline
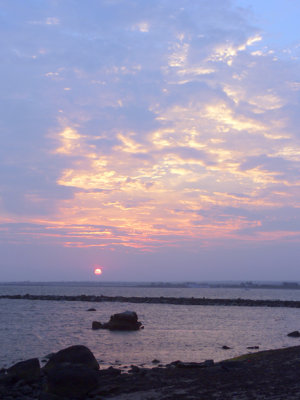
x: 203, y: 301
x: 246, y: 285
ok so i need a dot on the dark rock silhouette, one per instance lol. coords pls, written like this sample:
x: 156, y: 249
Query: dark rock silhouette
x: 27, y: 371
x: 155, y: 361
x: 71, y: 381
x: 78, y: 355
x: 96, y: 325
x: 294, y: 334
x: 272, y: 374
x: 125, y: 321
x: 202, y: 301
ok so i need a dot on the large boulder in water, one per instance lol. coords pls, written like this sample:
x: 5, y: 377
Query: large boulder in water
x: 125, y: 321
x: 73, y: 381
x: 73, y: 355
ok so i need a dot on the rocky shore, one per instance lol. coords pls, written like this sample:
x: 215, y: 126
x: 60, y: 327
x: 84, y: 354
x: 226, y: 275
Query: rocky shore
x: 200, y: 301
x: 74, y: 373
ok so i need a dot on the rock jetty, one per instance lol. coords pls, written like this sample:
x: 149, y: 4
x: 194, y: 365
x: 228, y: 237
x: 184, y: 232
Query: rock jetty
x: 272, y: 375
x: 200, y: 301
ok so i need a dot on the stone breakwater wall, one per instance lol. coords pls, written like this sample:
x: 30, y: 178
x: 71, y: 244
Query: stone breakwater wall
x: 201, y: 301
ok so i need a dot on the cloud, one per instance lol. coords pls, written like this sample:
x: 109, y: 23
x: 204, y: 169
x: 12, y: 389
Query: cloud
x: 179, y: 127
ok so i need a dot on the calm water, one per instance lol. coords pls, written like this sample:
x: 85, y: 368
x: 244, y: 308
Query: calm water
x: 189, y: 333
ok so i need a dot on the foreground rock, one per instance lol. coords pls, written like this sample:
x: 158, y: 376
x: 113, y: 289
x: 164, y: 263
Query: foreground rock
x: 71, y: 372
x: 125, y: 321
x: 268, y: 375
x: 73, y: 355
x: 71, y: 381
x: 28, y: 371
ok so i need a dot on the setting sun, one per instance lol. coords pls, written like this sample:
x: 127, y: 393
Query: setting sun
x: 97, y: 271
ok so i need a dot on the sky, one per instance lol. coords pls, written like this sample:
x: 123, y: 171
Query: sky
x: 157, y: 140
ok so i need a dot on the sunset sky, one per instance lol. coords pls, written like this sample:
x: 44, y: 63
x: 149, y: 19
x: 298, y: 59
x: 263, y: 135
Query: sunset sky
x: 156, y: 139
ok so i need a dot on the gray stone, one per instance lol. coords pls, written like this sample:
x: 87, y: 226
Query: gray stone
x: 134, y: 369
x: 72, y: 381
x: 26, y: 389
x: 208, y: 363
x: 27, y: 371
x: 96, y: 325
x: 78, y: 354
x: 125, y: 321
x: 50, y: 396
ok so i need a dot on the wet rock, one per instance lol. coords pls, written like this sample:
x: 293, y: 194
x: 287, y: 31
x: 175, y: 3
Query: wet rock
x: 208, y: 363
x: 49, y: 396
x: 27, y: 371
x: 175, y: 363
x: 71, y: 381
x: 7, y: 380
x: 26, y: 389
x: 188, y: 365
x: 125, y: 321
x: 48, y: 356
x: 294, y: 334
x: 78, y: 354
x: 110, y: 371
x: 227, y: 365
x: 134, y: 369
x: 155, y: 361
x: 96, y: 325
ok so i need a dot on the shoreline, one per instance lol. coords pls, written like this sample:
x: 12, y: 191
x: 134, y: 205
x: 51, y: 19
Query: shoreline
x: 271, y: 374
x: 236, y: 302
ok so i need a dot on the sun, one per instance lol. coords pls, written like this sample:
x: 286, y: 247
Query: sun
x: 97, y: 271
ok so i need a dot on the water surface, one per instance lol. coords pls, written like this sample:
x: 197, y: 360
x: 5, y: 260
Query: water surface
x: 189, y: 333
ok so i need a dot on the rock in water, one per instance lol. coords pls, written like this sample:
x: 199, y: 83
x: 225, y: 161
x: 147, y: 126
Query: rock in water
x: 79, y: 355
x: 28, y: 370
x: 71, y: 381
x: 294, y: 334
x: 125, y: 321
x: 96, y: 325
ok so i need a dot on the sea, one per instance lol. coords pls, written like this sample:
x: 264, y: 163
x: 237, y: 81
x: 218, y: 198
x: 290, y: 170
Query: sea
x: 189, y: 333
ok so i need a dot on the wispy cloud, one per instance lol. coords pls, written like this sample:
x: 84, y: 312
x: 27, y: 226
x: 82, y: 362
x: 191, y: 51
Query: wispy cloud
x: 144, y: 127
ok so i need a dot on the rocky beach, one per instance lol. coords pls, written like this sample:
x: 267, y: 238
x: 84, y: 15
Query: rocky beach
x: 73, y: 373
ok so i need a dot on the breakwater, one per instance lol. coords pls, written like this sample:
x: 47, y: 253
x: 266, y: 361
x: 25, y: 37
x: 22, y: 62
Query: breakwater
x: 197, y: 301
